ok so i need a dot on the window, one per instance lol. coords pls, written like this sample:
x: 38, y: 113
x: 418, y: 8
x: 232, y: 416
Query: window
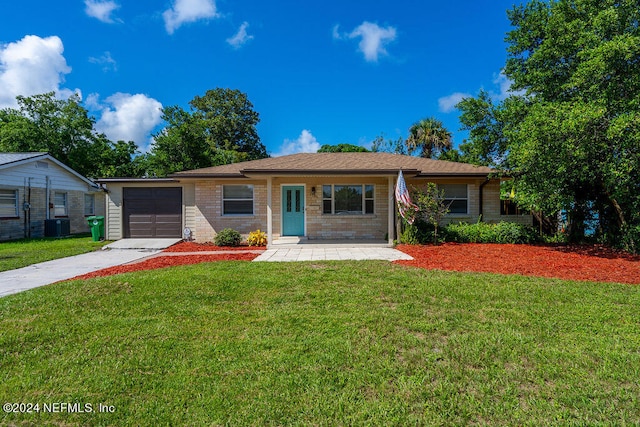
x: 9, y: 203
x: 347, y: 199
x: 60, y: 204
x: 455, y: 196
x: 89, y: 204
x: 237, y: 199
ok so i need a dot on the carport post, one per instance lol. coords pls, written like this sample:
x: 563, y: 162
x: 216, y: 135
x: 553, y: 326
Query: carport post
x: 269, y: 212
x: 391, y: 211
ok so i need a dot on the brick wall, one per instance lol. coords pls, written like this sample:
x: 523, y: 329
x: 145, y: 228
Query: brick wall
x: 208, y: 210
x: 209, y: 220
x: 14, y: 228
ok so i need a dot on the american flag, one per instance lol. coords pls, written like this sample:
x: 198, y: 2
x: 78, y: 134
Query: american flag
x: 404, y: 201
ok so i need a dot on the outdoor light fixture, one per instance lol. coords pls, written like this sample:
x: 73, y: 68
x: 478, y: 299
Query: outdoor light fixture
x: 313, y: 191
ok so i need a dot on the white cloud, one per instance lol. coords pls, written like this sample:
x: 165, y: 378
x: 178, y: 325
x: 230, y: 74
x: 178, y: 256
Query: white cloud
x: 504, y: 86
x: 107, y: 62
x: 184, y: 11
x: 241, y: 37
x: 129, y: 117
x: 101, y: 10
x: 373, y: 39
x: 306, y: 143
x: 447, y: 104
x: 32, y: 66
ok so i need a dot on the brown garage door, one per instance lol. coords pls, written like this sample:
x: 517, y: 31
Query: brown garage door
x: 152, y: 212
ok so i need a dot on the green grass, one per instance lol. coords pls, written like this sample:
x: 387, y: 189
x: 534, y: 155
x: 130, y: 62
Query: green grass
x: 332, y: 343
x: 24, y: 252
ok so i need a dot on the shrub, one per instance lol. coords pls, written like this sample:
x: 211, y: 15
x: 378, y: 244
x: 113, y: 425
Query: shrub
x: 257, y: 238
x: 228, y: 237
x: 418, y: 233
x: 630, y: 241
x: 482, y: 232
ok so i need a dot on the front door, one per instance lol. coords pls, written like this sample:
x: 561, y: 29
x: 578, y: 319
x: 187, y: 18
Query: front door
x: 293, y: 210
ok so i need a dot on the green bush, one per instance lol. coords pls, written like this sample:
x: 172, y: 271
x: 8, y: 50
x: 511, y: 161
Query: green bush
x: 418, y: 233
x: 631, y: 239
x: 482, y: 232
x: 228, y: 237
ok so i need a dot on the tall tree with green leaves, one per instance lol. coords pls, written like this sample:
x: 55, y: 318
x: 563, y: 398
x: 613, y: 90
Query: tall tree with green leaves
x: 342, y: 148
x: 220, y: 128
x: 64, y: 129
x: 429, y: 137
x: 571, y: 140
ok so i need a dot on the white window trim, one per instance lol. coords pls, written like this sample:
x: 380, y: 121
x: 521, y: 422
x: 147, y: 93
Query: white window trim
x: 16, y: 204
x: 364, y: 200
x: 93, y: 204
x: 253, y: 201
x: 66, y: 205
x: 449, y: 200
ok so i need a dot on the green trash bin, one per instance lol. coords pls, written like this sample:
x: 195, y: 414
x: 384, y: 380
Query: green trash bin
x: 96, y: 225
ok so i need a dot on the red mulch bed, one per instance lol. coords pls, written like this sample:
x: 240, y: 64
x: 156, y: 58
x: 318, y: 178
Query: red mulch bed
x: 167, y: 261
x: 591, y: 263
x: 208, y: 247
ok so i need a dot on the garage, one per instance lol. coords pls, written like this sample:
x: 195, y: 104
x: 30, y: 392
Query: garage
x: 152, y: 212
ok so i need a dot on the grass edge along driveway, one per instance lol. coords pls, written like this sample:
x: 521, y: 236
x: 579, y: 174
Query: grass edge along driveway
x: 323, y: 343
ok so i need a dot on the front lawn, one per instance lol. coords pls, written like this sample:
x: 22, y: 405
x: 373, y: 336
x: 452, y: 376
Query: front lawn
x: 24, y: 252
x: 322, y: 343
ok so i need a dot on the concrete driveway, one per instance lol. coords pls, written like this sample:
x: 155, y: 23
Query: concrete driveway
x: 45, y: 273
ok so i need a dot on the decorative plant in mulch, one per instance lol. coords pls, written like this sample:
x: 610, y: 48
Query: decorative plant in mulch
x: 590, y: 263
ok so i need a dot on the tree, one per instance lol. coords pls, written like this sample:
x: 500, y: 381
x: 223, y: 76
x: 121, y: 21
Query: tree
x: 571, y: 139
x: 220, y: 128
x: 64, y: 129
x: 431, y: 207
x: 385, y: 145
x: 342, y: 148
x: 429, y: 137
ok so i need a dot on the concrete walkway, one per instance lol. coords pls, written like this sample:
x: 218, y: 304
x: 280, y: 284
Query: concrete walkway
x: 319, y: 253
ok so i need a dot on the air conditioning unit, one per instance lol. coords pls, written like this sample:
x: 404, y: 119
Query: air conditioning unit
x: 57, y: 227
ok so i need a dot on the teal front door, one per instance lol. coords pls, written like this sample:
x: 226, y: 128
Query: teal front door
x: 293, y: 210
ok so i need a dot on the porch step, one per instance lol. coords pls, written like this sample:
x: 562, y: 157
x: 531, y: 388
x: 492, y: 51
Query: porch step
x: 290, y: 240
x: 303, y: 242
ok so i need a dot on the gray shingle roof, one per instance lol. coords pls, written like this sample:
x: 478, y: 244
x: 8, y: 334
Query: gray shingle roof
x: 341, y: 164
x: 6, y: 158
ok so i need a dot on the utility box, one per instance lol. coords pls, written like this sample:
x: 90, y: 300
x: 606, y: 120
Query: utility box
x: 57, y: 227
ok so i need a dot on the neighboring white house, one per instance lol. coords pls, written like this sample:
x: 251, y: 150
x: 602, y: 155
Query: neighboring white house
x: 35, y: 187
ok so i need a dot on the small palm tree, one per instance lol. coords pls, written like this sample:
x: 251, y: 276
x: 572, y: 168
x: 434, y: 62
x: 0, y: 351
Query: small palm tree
x: 429, y: 136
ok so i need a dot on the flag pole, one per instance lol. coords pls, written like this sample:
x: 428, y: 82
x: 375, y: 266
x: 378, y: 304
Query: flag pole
x: 397, y: 211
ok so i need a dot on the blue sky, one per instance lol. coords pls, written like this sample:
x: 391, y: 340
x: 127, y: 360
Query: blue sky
x: 318, y: 73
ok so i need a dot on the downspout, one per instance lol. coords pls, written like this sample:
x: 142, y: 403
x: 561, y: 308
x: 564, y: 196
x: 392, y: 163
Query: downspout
x: 28, y: 210
x: 480, y: 195
x: 24, y: 198
x: 47, y: 198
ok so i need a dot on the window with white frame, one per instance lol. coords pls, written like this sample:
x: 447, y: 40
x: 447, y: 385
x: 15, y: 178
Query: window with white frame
x: 456, y: 197
x: 60, y: 206
x: 237, y: 199
x: 89, y: 204
x: 9, y: 204
x: 348, y: 199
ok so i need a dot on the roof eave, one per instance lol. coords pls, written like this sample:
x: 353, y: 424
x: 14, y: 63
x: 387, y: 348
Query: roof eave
x: 330, y: 171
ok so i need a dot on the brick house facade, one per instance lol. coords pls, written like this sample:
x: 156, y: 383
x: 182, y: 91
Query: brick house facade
x: 322, y: 196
